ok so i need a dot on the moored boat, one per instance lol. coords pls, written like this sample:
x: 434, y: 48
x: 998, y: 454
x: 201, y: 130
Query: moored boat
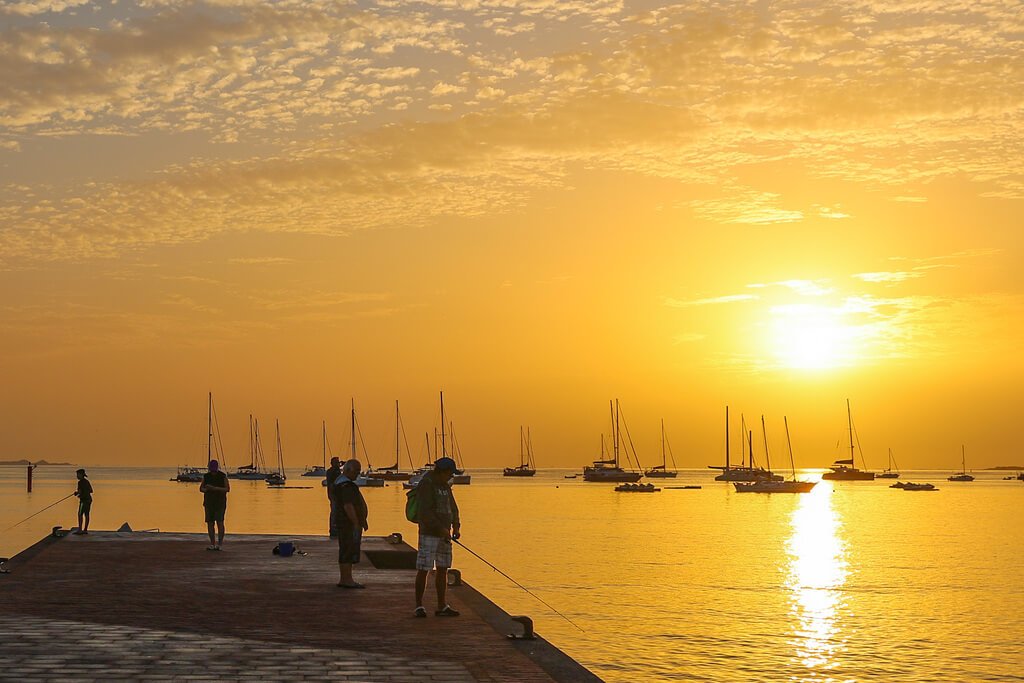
x: 845, y: 470
x: 962, y: 476
x: 743, y: 472
x: 771, y: 486
x: 609, y: 471
x: 525, y: 468
x: 661, y: 471
x: 890, y: 472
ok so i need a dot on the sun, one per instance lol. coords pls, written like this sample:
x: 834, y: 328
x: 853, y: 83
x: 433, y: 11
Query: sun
x: 811, y: 337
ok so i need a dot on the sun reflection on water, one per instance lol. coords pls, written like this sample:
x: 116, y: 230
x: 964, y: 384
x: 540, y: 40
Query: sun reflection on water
x: 817, y: 570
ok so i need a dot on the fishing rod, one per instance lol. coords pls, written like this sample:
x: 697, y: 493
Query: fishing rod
x: 40, y: 512
x: 518, y: 584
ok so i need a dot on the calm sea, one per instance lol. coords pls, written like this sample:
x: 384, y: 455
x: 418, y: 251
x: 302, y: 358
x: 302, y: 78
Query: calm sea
x: 852, y: 582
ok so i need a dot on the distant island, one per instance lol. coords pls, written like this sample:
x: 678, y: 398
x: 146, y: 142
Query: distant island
x: 24, y: 463
x: 1006, y: 467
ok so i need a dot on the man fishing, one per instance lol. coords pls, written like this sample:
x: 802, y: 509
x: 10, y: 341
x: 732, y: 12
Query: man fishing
x: 215, y: 488
x: 438, y: 519
x: 84, y: 493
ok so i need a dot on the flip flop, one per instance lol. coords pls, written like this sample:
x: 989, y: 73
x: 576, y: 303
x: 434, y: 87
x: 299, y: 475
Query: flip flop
x: 350, y: 585
x: 446, y: 612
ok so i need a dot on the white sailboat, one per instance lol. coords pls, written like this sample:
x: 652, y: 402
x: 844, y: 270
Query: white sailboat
x: 255, y: 470
x: 278, y: 477
x: 394, y: 472
x: 526, y: 467
x: 609, y: 471
x: 962, y: 476
x: 845, y: 470
x: 319, y: 470
x: 744, y: 472
x: 366, y: 479
x: 890, y: 472
x: 193, y: 475
x: 769, y: 485
x: 662, y: 471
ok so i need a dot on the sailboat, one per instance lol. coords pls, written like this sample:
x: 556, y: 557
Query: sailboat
x: 770, y: 486
x: 609, y: 470
x: 845, y: 470
x: 319, y: 470
x: 278, y: 477
x: 744, y: 472
x: 254, y: 471
x: 394, y: 472
x: 660, y: 471
x: 526, y: 467
x: 193, y: 475
x: 460, y: 476
x: 962, y: 476
x: 366, y: 478
x: 890, y: 472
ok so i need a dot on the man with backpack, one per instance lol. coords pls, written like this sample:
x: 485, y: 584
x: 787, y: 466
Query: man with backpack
x: 438, y: 519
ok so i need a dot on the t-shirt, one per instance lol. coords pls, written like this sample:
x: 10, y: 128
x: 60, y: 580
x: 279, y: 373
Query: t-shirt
x: 215, y: 498
x: 84, y: 489
x: 348, y: 492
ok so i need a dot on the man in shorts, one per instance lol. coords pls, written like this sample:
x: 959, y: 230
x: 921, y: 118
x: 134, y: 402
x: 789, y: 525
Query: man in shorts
x: 84, y: 493
x: 215, y: 489
x: 351, y: 520
x: 438, y: 518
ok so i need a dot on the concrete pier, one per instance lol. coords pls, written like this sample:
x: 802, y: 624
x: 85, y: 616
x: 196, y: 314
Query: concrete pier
x: 160, y: 607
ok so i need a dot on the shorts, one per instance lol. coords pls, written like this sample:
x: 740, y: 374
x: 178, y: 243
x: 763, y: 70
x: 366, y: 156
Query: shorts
x: 349, y: 540
x: 215, y: 513
x: 84, y: 506
x: 434, y: 551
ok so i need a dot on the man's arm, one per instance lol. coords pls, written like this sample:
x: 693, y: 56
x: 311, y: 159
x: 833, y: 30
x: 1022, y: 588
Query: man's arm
x: 456, y: 522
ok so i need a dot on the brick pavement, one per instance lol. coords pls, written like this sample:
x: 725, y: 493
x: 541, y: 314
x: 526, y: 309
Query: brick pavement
x: 142, y: 606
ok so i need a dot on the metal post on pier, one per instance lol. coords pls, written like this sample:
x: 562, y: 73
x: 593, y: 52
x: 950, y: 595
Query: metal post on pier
x: 30, y: 468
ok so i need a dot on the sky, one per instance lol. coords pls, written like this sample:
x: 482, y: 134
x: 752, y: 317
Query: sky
x: 534, y: 206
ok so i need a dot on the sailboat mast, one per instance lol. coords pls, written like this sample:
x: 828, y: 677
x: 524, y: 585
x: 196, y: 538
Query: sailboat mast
x: 663, y: 464
x: 209, y: 428
x: 616, y: 451
x: 530, y: 460
x: 522, y: 438
x: 849, y: 423
x: 727, y: 438
x: 398, y: 434
x: 789, y: 445
x: 252, y: 451
x: 963, y: 459
x: 353, y: 429
x: 280, y: 455
x: 323, y: 430
x: 444, y: 449
x: 767, y: 457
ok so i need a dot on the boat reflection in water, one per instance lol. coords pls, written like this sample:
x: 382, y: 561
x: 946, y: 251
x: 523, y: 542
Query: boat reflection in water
x: 817, y: 573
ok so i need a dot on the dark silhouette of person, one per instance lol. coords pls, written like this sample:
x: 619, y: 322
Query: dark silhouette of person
x: 333, y: 472
x: 351, y: 519
x: 215, y: 488
x: 84, y: 493
x: 439, y: 523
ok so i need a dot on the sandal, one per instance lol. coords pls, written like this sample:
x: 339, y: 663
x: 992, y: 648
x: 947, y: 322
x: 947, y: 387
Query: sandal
x: 420, y: 613
x: 446, y: 612
x: 350, y: 585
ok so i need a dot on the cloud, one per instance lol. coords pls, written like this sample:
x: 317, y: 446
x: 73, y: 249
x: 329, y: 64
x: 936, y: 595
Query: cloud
x: 727, y: 299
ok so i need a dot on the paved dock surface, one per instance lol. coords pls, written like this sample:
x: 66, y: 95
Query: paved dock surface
x: 159, y: 606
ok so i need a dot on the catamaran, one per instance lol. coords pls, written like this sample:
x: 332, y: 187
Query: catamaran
x: 526, y: 467
x: 962, y: 476
x: 845, y: 470
x: 609, y: 470
x: 890, y: 472
x: 770, y: 486
x: 744, y: 472
x: 661, y: 471
x: 278, y: 477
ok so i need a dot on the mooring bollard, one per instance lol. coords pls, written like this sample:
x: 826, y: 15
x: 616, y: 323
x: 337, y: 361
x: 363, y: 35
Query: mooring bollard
x: 527, y: 623
x: 454, y: 577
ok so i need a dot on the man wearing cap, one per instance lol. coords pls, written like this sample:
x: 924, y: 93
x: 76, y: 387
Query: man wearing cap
x: 215, y: 489
x: 84, y: 493
x: 438, y: 518
x: 333, y: 472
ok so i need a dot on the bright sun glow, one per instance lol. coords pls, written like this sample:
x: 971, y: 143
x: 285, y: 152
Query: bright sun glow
x: 811, y: 337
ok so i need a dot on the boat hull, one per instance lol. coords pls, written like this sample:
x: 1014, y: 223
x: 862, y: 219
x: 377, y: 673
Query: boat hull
x: 775, y: 487
x: 518, y: 472
x: 888, y: 475
x: 848, y: 475
x: 747, y: 474
x: 610, y: 475
x: 660, y: 474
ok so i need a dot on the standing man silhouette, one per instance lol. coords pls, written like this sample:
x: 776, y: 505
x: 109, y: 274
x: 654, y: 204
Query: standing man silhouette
x: 84, y: 493
x: 215, y: 489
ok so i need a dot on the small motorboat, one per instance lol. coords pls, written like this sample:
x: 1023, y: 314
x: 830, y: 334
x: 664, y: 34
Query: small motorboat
x: 570, y: 476
x: 898, y: 485
x: 919, y: 487
x: 637, y: 488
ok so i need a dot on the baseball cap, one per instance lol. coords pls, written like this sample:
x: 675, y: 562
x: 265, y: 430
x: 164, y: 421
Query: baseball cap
x: 446, y: 464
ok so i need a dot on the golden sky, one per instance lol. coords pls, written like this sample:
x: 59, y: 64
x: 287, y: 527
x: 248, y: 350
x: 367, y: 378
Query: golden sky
x: 535, y: 205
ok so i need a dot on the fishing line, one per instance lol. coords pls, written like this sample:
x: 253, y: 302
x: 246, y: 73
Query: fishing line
x: 40, y: 512
x: 518, y: 584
